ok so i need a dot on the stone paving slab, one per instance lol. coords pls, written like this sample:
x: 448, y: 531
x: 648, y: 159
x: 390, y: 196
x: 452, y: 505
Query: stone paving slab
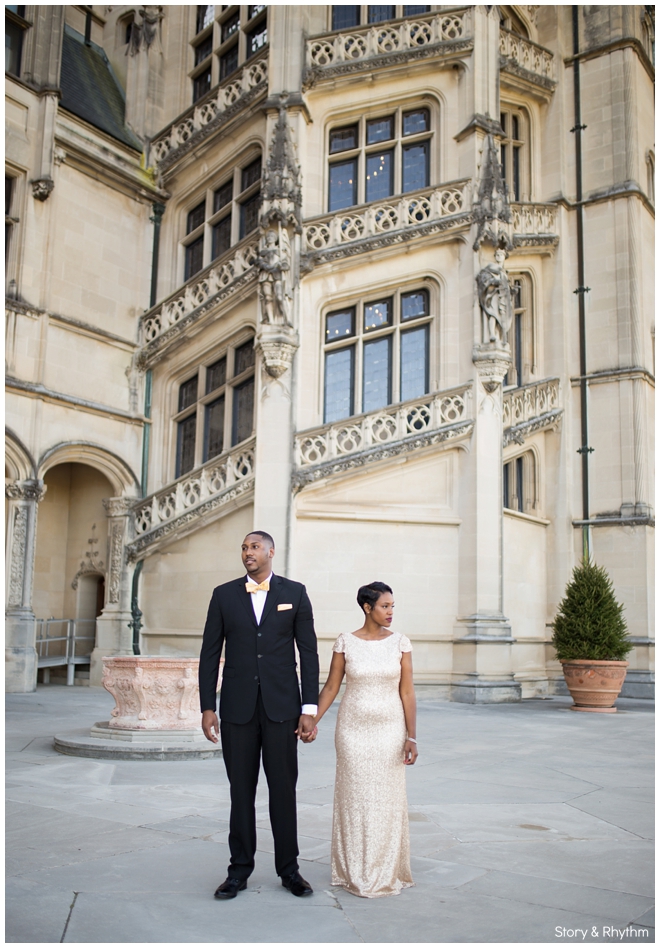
x: 526, y: 820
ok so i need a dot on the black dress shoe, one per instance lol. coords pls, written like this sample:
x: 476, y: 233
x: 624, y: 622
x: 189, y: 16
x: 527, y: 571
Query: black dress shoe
x: 230, y: 889
x: 296, y: 884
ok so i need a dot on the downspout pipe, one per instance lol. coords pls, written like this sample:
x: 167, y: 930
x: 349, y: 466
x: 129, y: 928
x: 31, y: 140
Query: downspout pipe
x: 136, y: 614
x: 584, y: 450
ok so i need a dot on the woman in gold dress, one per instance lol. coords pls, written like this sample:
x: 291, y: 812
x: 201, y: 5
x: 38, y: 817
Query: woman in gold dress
x: 375, y: 738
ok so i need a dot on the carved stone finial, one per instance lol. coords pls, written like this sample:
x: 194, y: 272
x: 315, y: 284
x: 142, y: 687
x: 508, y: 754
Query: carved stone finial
x: 491, y: 210
x: 282, y: 195
x: 495, y: 300
x: 41, y: 188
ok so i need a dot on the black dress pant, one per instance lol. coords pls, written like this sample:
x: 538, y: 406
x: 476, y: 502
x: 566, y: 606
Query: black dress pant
x: 242, y: 747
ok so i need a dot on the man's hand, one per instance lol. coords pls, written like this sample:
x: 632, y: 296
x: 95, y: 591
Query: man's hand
x: 305, y: 728
x: 209, y: 725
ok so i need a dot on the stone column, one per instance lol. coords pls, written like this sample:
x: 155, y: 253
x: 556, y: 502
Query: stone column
x: 482, y: 645
x: 277, y: 338
x: 113, y: 632
x: 20, y: 627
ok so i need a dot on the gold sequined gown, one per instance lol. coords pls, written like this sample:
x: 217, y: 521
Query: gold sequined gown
x: 370, y: 841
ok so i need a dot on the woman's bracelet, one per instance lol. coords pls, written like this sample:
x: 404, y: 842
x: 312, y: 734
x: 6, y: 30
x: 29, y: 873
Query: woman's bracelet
x: 412, y: 740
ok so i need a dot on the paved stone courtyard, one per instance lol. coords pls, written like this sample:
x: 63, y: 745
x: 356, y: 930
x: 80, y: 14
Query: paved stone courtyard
x: 529, y: 823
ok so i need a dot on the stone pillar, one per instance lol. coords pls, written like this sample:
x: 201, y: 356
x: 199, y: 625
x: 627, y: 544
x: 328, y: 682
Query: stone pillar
x: 277, y: 338
x: 20, y: 627
x: 483, y: 670
x: 113, y: 632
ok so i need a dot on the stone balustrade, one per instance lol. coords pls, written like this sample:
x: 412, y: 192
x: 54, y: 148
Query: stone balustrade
x: 217, y: 280
x: 341, y: 52
x: 192, y: 496
x: 520, y: 53
x: 530, y: 402
x: 534, y: 218
x: 381, y: 218
x: 211, y: 111
x: 375, y: 429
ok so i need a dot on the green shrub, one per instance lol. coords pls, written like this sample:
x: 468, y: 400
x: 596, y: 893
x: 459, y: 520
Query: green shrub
x: 590, y: 624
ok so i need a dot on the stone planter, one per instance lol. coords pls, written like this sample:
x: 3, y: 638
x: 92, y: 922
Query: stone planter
x: 153, y: 693
x: 594, y: 685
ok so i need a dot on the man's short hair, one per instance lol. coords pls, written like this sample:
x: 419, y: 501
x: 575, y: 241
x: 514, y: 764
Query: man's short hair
x: 264, y: 536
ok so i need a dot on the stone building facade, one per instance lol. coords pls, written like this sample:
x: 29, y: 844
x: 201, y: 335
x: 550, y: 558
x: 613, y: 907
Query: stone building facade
x: 376, y: 279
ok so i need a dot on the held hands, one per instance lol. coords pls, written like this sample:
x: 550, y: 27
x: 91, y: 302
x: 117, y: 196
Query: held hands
x: 209, y: 725
x: 410, y: 752
x: 306, y: 729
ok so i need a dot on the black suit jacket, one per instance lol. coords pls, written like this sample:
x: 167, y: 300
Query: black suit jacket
x: 262, y: 655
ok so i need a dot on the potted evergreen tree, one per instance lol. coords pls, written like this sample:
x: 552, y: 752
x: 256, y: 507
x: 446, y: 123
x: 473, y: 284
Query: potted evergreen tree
x: 591, y: 640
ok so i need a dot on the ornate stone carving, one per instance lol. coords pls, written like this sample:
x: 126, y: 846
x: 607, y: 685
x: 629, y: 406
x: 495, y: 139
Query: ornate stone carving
x: 153, y: 693
x: 278, y: 348
x: 495, y: 300
x: 26, y: 490
x: 118, y: 506
x: 282, y: 195
x: 41, y: 188
x: 181, y: 523
x: 492, y: 362
x: 491, y: 211
x: 458, y: 432
x: 18, y: 550
x: 145, y: 32
x: 91, y: 562
x: 274, y: 263
x: 116, y: 559
x: 518, y: 434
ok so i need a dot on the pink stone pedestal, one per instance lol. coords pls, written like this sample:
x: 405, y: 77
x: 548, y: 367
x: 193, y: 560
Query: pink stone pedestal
x: 156, y: 714
x: 153, y: 693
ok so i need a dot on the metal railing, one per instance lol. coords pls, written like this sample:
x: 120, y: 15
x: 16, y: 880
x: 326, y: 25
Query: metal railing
x: 58, y: 644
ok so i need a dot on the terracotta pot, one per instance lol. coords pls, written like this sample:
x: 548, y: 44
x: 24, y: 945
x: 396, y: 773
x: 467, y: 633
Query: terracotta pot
x: 594, y: 686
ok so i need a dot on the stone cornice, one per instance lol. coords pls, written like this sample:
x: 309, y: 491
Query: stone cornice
x: 616, y: 522
x: 626, y: 42
x: 519, y: 433
x: 454, y: 433
x: 615, y: 375
x: 35, y: 312
x: 37, y: 390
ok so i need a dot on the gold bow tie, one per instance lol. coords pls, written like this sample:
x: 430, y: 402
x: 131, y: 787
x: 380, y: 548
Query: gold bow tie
x: 258, y: 587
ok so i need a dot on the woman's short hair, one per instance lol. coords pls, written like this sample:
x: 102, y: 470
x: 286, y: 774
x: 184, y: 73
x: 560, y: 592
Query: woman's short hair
x: 371, y: 594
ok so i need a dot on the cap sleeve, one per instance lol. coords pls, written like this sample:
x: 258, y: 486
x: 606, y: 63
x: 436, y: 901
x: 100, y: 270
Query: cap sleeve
x: 339, y: 645
x: 405, y: 644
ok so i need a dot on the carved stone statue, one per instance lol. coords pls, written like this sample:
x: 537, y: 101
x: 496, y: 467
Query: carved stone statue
x: 274, y: 263
x: 495, y: 300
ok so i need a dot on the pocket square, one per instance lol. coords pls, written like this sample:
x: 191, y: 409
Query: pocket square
x: 283, y: 606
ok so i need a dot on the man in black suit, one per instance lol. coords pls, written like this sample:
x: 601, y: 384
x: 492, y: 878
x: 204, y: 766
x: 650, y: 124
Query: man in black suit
x: 261, y: 711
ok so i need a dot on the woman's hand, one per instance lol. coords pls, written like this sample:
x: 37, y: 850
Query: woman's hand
x: 410, y: 752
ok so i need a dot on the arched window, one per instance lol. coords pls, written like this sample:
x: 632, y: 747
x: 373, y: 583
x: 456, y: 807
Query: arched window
x: 509, y: 20
x: 515, y: 151
x: 650, y: 175
x: 519, y: 484
x: 215, y: 406
x: 378, y: 156
x: 222, y: 215
x: 522, y: 333
x: 377, y: 352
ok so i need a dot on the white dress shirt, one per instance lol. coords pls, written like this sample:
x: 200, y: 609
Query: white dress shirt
x: 258, y: 602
